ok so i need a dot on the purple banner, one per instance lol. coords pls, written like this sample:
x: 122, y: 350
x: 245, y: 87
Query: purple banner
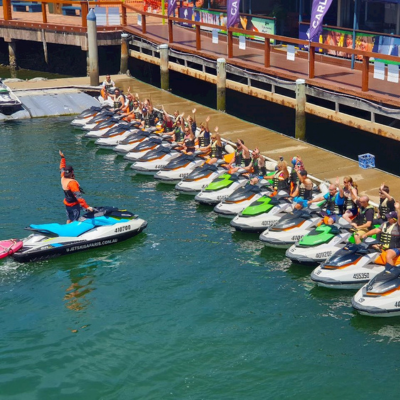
x: 233, y: 12
x: 319, y: 9
x: 186, y: 13
x: 171, y: 6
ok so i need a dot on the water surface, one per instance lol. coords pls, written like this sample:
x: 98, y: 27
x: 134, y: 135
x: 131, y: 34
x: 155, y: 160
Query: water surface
x: 189, y: 309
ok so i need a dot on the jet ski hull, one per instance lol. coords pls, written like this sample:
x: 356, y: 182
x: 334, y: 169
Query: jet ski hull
x: 38, y: 246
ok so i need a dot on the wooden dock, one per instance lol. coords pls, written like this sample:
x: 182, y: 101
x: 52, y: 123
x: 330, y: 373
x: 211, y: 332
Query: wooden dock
x: 320, y: 163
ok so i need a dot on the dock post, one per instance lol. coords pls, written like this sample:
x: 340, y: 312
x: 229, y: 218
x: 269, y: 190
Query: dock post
x: 12, y: 58
x: 45, y: 52
x: 92, y: 48
x: 164, y: 71
x: 300, y: 131
x: 124, y: 53
x: 221, y: 84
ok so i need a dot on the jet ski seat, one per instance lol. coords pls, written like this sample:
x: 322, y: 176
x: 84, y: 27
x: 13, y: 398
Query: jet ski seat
x: 74, y: 229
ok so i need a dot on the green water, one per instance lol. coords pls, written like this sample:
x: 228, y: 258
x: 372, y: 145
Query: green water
x: 189, y: 309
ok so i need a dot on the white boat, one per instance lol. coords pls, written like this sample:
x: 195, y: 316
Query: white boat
x: 9, y: 102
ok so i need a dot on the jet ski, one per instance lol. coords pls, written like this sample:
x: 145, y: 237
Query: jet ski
x: 381, y: 296
x: 103, y: 127
x: 144, y: 147
x: 199, y: 179
x: 100, y: 117
x: 242, y: 197
x: 349, y: 268
x: 221, y: 187
x: 117, y: 134
x: 154, y: 160
x: 85, y: 116
x: 263, y: 213
x: 320, y: 244
x: 291, y: 228
x: 103, y: 226
x: 178, y: 168
x: 132, y: 140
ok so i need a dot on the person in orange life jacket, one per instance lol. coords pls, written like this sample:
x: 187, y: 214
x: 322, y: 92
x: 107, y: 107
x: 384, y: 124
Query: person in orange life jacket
x: 334, y: 203
x: 73, y: 193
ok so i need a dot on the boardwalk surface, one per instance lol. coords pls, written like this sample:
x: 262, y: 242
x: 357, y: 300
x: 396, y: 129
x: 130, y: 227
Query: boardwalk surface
x: 320, y: 163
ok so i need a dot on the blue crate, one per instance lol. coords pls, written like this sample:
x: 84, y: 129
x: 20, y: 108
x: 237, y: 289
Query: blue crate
x: 366, y: 161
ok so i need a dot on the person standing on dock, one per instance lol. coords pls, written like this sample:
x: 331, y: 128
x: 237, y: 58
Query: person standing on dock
x: 73, y: 193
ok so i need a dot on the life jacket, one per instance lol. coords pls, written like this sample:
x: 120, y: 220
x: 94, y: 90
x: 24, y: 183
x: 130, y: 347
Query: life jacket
x: 239, y: 158
x: 389, y: 240
x: 70, y: 198
x: 257, y: 169
x: 179, y: 135
x: 280, y: 183
x: 384, y: 208
x: 331, y: 205
x: 216, y: 151
x: 203, y: 140
x: 349, y: 203
x: 137, y: 113
x: 361, y: 219
x: 190, y: 144
x: 306, y: 194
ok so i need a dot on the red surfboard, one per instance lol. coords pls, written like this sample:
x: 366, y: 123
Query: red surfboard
x: 10, y: 246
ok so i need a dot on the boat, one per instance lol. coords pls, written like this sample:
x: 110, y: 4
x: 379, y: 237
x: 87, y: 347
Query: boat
x: 262, y: 213
x: 291, y: 228
x: 242, y: 197
x: 101, y: 227
x: 320, y: 244
x: 9, y: 102
x: 381, y: 296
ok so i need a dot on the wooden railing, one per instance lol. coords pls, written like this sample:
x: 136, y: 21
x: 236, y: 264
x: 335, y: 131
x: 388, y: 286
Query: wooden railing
x: 267, y: 46
x: 125, y: 8
x: 85, y: 5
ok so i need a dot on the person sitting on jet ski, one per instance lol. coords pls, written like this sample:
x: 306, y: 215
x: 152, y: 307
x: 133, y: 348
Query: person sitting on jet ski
x: 216, y: 147
x: 204, y: 136
x: 334, y: 203
x: 350, y: 189
x: 388, y: 234
x: 148, y: 118
x: 242, y: 157
x: 391, y: 236
x: 365, y: 216
x: 73, y: 193
x: 386, y: 204
x: 189, y: 141
x: 303, y: 191
x: 281, y: 177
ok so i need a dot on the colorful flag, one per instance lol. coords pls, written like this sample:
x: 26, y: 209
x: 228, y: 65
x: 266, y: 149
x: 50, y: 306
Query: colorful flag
x: 233, y: 12
x: 319, y: 9
x: 171, y: 6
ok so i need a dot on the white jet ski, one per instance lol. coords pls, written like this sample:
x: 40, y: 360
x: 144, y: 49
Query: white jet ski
x: 350, y: 268
x: 116, y: 134
x: 85, y: 116
x: 381, y: 296
x: 320, y: 244
x: 103, y: 127
x: 242, y: 197
x: 221, y: 187
x: 105, y: 225
x: 132, y: 140
x: 179, y: 168
x: 199, y: 179
x: 262, y: 213
x: 291, y: 228
x: 155, y: 160
x: 142, y: 148
x: 102, y: 116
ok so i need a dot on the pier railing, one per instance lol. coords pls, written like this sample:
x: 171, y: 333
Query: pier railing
x: 129, y: 10
x: 268, y: 49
